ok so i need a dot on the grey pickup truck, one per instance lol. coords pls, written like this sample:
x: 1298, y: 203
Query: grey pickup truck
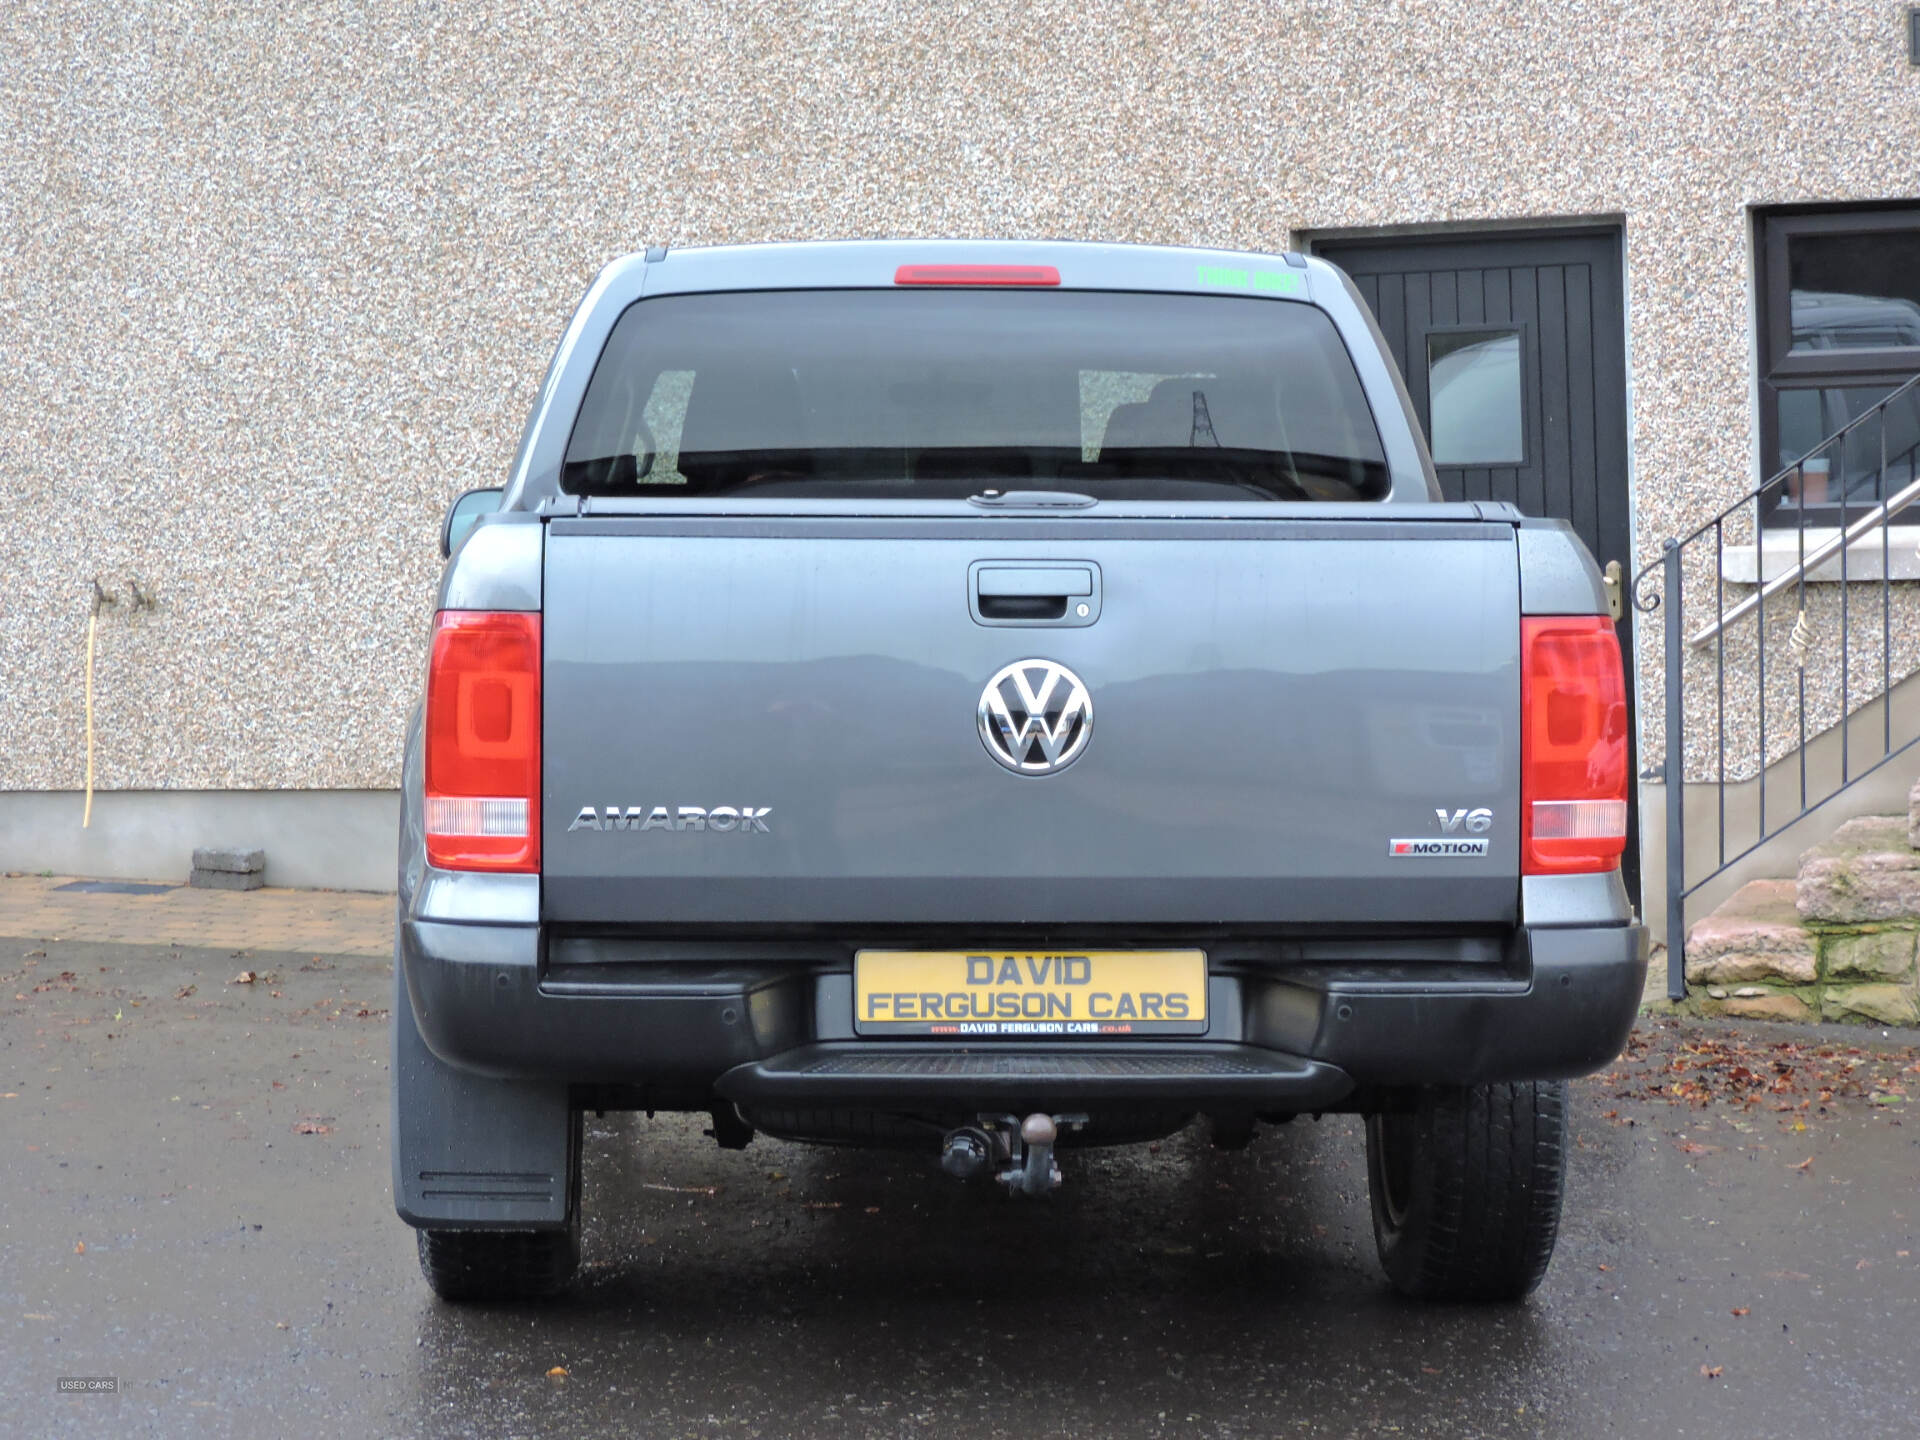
x: 992, y: 699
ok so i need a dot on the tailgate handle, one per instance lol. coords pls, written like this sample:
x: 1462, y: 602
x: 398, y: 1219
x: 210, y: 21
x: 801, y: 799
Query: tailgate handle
x: 1030, y: 594
x: 1060, y: 581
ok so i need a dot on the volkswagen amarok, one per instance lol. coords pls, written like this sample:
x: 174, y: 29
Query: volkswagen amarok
x: 991, y: 699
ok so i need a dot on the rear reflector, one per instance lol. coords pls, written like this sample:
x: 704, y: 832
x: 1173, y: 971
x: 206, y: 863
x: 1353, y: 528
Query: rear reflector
x: 976, y: 275
x: 451, y: 815
x: 1573, y: 745
x: 1579, y: 819
x: 483, y: 741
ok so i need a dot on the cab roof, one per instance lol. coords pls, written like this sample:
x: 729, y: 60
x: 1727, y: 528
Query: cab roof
x: 1078, y: 265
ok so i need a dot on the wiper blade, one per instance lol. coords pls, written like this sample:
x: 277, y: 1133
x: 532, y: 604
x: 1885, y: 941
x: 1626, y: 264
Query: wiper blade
x: 1032, y: 500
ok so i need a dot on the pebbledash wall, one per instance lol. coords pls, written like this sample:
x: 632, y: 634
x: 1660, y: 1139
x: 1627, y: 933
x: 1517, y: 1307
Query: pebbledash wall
x: 278, y: 281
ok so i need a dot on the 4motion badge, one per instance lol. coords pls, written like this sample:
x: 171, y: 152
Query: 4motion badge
x: 1452, y: 845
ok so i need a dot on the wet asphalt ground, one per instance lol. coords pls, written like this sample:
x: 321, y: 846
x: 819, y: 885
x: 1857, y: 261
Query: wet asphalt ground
x: 197, y: 1204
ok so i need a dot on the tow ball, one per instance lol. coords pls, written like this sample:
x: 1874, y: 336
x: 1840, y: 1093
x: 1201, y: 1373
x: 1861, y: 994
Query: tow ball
x: 1020, y: 1151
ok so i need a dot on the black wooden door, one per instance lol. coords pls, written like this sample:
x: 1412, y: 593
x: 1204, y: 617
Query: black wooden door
x: 1514, y: 350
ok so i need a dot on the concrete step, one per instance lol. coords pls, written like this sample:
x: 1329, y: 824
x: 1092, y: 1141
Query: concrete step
x: 1757, y: 958
x: 1836, y: 942
x: 1757, y: 934
x: 1867, y: 872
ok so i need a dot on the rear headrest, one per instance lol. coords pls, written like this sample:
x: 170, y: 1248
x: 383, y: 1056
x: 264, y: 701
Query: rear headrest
x: 744, y: 408
x: 1161, y: 421
x: 1238, y: 413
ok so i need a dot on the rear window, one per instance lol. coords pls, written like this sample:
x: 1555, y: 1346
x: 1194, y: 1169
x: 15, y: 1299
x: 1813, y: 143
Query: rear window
x: 944, y: 394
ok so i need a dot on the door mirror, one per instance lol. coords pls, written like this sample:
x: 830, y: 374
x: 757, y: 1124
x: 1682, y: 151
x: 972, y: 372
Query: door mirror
x: 465, y: 513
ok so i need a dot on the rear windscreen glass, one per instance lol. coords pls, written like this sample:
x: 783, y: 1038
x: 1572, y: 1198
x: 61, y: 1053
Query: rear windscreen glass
x: 944, y: 394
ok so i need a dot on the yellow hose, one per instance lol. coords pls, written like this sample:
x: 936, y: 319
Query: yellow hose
x: 86, y: 817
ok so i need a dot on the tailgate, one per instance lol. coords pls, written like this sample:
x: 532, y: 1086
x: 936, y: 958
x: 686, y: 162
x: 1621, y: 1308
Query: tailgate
x: 780, y: 720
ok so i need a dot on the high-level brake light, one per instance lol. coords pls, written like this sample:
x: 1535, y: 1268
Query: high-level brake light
x: 1573, y: 745
x: 976, y: 275
x: 483, y: 741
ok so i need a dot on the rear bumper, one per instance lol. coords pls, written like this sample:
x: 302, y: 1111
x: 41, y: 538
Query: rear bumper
x: 862, y: 1075
x: 1299, y: 1038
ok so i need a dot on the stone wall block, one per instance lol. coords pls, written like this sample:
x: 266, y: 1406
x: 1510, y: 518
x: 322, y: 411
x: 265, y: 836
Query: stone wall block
x: 1869, y: 955
x: 1867, y: 872
x: 1759, y: 1002
x: 1885, y: 1004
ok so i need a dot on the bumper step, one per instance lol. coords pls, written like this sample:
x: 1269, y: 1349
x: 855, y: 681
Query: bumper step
x: 891, y: 1073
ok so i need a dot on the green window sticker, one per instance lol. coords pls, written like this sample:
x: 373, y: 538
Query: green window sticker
x: 1280, y: 282
x: 1264, y: 282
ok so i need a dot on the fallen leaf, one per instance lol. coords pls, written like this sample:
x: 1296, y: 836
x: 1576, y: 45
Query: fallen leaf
x: 79, y: 1247
x: 280, y: 1325
x: 1712, y: 1372
x: 873, y: 1209
x: 1806, y: 1164
x: 1606, y: 1267
x: 184, y: 991
x: 1863, y: 1265
x: 311, y: 1127
x: 245, y: 977
x: 558, y: 1372
x: 1740, y: 1310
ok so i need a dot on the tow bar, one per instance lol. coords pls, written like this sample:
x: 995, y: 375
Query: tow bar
x: 1021, y: 1150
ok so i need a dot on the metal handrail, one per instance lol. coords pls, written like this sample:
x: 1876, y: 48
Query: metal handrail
x: 1884, y: 511
x: 1648, y: 602
x: 1667, y: 594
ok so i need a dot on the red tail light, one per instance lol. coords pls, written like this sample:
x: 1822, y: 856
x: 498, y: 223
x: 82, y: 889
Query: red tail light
x: 976, y: 275
x: 483, y: 741
x: 1573, y: 745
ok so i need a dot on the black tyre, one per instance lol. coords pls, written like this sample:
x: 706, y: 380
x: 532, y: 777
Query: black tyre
x: 466, y: 1266
x: 1466, y: 1187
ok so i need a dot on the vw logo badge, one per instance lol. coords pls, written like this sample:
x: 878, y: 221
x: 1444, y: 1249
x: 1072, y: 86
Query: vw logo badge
x: 1035, y: 717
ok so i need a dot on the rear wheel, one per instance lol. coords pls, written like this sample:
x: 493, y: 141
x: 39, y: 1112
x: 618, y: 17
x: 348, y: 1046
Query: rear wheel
x: 1466, y: 1185
x: 465, y: 1266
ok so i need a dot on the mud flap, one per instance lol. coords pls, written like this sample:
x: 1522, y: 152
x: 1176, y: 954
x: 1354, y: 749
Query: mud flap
x: 471, y: 1152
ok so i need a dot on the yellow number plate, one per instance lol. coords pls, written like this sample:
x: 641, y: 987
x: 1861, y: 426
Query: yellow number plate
x: 1001, y: 993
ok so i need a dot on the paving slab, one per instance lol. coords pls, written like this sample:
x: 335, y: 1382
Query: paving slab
x: 337, y: 922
